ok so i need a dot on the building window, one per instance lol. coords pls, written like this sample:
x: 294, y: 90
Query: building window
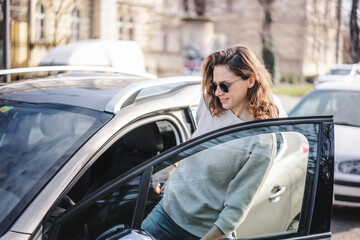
x: 40, y: 22
x: 131, y: 29
x: 185, y: 4
x: 121, y: 28
x: 75, y: 25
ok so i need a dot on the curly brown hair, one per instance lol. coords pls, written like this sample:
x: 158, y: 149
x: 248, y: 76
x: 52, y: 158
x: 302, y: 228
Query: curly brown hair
x: 244, y: 63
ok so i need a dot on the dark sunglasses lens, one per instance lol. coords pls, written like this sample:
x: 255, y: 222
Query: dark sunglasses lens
x: 213, y: 85
x: 223, y: 87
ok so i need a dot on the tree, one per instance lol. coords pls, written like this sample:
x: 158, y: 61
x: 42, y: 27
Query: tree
x: 59, y: 9
x: 354, y: 32
x: 267, y: 49
x: 338, y: 28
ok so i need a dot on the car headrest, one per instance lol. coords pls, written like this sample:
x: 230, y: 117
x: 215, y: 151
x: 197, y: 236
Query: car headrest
x: 146, y: 139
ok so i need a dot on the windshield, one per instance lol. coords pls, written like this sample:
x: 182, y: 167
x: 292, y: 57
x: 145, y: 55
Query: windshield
x: 340, y: 104
x: 340, y: 71
x: 35, y: 141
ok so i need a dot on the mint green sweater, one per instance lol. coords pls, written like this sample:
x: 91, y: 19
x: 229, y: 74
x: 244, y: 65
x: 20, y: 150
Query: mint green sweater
x: 216, y: 186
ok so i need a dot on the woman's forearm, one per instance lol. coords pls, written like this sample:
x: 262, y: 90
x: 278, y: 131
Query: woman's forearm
x: 213, y: 234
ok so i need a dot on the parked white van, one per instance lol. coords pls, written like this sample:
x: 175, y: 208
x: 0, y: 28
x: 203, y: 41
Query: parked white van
x: 122, y: 55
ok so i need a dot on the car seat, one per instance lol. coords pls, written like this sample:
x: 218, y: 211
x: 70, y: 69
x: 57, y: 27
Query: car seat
x: 136, y: 146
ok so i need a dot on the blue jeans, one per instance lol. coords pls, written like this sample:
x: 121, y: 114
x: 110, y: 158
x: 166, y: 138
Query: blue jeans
x: 162, y: 227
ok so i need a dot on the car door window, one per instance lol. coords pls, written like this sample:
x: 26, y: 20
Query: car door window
x: 276, y: 205
x: 282, y: 202
x: 277, y: 178
x: 133, y: 148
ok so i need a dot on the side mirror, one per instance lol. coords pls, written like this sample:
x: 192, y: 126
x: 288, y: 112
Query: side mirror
x: 121, y: 232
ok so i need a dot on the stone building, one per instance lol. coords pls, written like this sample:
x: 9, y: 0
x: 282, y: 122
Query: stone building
x: 300, y: 36
x: 37, y: 26
x: 175, y: 35
x: 302, y: 33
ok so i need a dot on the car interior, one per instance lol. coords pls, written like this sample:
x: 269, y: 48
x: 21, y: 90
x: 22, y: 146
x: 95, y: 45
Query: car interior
x: 135, y: 147
x: 132, y: 149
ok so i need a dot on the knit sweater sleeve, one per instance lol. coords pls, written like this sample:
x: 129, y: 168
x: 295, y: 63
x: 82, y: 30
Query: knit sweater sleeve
x: 200, y: 110
x: 246, y: 183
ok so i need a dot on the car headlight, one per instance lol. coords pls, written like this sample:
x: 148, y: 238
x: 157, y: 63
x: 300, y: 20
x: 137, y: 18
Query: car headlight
x: 350, y: 167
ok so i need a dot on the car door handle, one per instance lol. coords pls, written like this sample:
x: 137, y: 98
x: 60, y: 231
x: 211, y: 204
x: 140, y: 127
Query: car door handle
x: 276, y: 193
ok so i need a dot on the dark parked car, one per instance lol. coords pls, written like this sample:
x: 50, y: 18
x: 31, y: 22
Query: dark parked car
x: 78, y: 153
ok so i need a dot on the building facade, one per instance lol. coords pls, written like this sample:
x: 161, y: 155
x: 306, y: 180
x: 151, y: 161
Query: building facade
x: 37, y: 26
x: 300, y: 37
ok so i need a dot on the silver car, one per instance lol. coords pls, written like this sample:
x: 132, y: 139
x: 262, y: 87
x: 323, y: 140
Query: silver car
x: 79, y: 153
x: 340, y: 72
x: 339, y: 100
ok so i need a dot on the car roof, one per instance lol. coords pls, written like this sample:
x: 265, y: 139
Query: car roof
x: 102, y: 92
x: 341, y: 86
x: 343, y: 66
x: 349, y: 66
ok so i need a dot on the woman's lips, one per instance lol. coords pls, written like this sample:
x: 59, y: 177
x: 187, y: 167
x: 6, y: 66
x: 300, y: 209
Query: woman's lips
x: 223, y: 100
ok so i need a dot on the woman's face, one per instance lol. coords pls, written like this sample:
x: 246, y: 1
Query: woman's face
x: 235, y: 99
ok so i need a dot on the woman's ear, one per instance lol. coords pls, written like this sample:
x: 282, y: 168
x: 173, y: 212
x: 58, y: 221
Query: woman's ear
x: 251, y: 81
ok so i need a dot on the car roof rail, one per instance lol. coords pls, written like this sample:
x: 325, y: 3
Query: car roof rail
x: 75, y: 68
x: 128, y: 94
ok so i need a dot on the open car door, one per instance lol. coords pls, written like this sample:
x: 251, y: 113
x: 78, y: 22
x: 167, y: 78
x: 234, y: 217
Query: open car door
x: 293, y: 201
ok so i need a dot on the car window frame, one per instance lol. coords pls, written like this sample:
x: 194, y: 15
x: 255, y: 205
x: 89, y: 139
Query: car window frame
x: 321, y: 195
x: 170, y: 116
x: 126, y: 129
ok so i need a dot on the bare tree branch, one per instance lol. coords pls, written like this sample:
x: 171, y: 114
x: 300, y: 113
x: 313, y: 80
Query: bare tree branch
x: 267, y: 49
x: 354, y: 32
x: 59, y: 11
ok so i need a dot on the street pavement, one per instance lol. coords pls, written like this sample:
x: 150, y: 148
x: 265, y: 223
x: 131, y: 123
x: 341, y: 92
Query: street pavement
x: 345, y: 223
x: 288, y: 102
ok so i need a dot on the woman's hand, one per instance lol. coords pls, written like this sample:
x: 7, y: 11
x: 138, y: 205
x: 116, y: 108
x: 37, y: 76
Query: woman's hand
x: 159, y: 179
x: 213, y: 234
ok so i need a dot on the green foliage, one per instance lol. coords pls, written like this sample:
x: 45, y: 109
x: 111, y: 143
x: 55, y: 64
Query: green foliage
x: 290, y: 78
x: 293, y: 89
x: 310, y: 79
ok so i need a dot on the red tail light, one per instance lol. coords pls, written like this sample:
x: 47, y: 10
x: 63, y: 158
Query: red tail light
x: 304, y: 148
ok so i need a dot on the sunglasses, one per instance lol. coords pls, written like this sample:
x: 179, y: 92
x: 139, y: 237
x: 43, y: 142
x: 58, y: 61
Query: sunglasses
x: 223, y: 86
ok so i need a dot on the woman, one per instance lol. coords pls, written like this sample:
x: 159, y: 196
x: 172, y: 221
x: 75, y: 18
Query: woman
x: 236, y: 88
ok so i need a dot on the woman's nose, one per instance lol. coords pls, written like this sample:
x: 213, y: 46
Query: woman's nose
x: 218, y: 91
